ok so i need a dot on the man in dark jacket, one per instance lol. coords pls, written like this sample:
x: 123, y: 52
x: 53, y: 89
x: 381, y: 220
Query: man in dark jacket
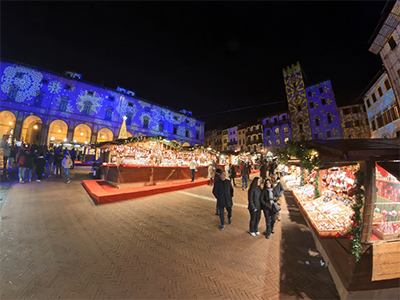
x: 40, y: 163
x: 223, y: 191
x: 245, y: 172
x: 216, y: 178
x: 263, y: 171
x: 29, y: 163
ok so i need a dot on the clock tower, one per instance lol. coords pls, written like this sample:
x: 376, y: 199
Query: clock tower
x: 297, y: 102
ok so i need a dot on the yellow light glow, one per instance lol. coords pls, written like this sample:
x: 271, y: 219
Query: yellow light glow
x: 81, y: 133
x: 59, y: 130
x: 10, y: 123
x: 103, y: 137
x: 35, y: 127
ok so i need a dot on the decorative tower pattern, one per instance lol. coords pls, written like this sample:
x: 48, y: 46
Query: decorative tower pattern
x: 297, y: 102
x: 323, y: 111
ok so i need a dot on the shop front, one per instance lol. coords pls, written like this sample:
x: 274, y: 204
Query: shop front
x: 352, y: 203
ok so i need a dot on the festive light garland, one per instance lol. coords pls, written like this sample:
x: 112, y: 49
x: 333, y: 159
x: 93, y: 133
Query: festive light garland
x: 317, y: 195
x: 356, y: 228
x: 309, y: 157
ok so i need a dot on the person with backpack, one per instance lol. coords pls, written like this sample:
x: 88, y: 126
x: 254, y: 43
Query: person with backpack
x: 67, y: 164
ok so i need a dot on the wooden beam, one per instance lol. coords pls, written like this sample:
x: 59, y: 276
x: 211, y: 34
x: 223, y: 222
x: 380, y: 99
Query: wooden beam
x: 368, y: 168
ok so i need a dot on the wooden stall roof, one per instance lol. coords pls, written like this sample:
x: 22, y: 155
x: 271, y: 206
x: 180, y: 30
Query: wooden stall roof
x: 357, y: 149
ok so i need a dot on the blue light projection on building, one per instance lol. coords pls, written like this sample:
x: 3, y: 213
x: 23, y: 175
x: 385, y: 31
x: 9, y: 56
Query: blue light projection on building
x: 70, y: 109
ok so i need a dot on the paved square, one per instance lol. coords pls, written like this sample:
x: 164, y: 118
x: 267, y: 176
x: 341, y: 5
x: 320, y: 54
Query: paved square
x: 56, y: 244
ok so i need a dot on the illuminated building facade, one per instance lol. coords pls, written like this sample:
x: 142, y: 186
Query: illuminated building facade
x: 382, y: 108
x: 242, y: 137
x: 254, y: 138
x: 233, y: 139
x: 43, y: 108
x: 277, y: 131
x: 354, y: 122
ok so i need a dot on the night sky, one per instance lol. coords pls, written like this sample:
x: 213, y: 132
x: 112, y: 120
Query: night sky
x: 207, y: 57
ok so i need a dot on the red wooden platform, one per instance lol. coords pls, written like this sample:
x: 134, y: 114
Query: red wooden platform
x: 102, y: 192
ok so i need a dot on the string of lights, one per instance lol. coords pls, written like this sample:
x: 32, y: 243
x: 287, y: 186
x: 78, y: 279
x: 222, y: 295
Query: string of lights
x: 240, y: 108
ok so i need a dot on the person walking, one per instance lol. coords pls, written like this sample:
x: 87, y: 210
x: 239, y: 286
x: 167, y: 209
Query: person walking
x: 263, y: 171
x: 40, y: 163
x: 73, y: 157
x: 245, y: 172
x: 210, y: 173
x: 268, y: 198
x: 30, y: 158
x: 232, y: 174
x: 223, y: 191
x: 67, y: 164
x: 279, y: 190
x: 192, y: 166
x: 13, y: 154
x: 22, y: 166
x: 58, y: 160
x: 217, y: 177
x: 50, y: 162
x: 254, y: 206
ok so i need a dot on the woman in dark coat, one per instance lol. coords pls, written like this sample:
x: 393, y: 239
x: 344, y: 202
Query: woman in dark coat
x: 40, y: 163
x: 254, y: 207
x: 232, y: 174
x: 268, y: 197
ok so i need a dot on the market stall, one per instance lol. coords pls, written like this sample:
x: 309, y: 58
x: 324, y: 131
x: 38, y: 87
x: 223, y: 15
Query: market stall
x: 150, y: 160
x: 348, y: 192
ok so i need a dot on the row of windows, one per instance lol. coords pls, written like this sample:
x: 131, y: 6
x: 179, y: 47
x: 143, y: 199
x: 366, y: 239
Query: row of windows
x: 387, y: 117
x: 320, y: 89
x: 285, y: 130
x: 380, y: 93
x: 352, y: 110
x: 274, y: 120
x: 355, y: 123
x: 278, y: 142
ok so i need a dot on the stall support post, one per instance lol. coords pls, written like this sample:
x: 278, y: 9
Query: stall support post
x: 368, y: 168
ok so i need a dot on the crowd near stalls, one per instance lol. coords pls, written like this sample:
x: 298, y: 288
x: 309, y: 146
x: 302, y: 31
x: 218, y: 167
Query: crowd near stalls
x: 350, y: 198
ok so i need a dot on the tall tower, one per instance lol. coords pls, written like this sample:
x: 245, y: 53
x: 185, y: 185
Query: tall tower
x: 297, y: 102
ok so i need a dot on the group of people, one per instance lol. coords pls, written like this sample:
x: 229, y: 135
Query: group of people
x: 266, y: 199
x: 34, y: 160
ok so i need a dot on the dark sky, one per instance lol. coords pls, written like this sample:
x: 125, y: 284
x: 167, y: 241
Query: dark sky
x: 206, y: 57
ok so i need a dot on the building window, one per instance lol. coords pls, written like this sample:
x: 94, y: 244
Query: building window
x: 373, y: 125
x: 285, y: 129
x: 108, y: 115
x: 315, y: 136
x: 286, y: 139
x: 311, y: 104
x: 269, y: 143
x: 348, y: 124
x: 300, y: 124
x: 68, y: 87
x: 86, y: 110
x: 267, y: 121
x: 146, y: 122
x: 63, y: 105
x: 346, y: 111
x: 395, y: 112
x: 392, y: 43
x: 309, y: 93
x: 323, y: 101
x: 329, y: 117
x: 373, y: 97
x: 268, y: 132
x: 321, y: 90
x: 316, y: 121
x: 197, y: 135
x: 12, y: 94
x: 355, y: 109
x: 328, y: 134
x: 128, y: 120
x: 276, y: 130
x: 368, y: 102
x: 380, y: 92
x: 379, y: 121
x: 130, y: 104
x: 386, y: 117
x: 175, y: 130
x: 186, y: 133
x: 277, y: 143
x: 244, y: 141
x: 299, y: 107
x: 283, y: 118
x: 38, y: 99
x: 387, y: 84
x: 161, y: 126
x: 350, y: 137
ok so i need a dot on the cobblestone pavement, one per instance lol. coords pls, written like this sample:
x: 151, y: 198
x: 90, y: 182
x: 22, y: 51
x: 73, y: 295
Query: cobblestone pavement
x: 56, y: 244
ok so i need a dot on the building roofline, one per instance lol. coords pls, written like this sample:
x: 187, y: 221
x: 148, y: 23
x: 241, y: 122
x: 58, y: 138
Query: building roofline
x: 384, y: 14
x: 370, y: 84
x: 274, y: 114
x: 318, y: 82
x: 95, y: 84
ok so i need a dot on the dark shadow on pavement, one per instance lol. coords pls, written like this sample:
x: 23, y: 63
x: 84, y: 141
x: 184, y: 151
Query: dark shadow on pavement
x: 303, y: 274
